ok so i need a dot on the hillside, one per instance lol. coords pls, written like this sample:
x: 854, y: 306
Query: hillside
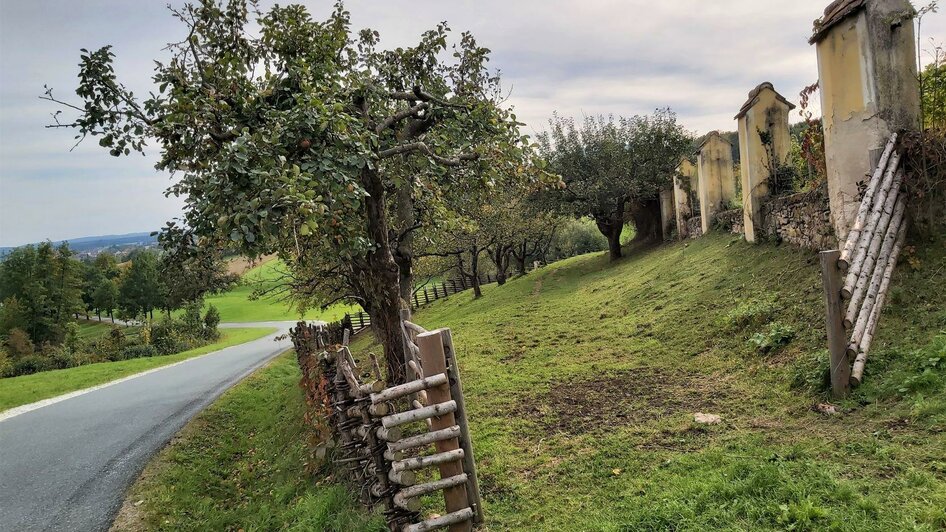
x: 239, y: 305
x: 582, y: 380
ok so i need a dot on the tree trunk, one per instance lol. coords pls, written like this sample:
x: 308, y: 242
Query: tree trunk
x: 646, y: 217
x: 378, y: 279
x: 404, y: 250
x: 520, y: 254
x: 611, y: 228
x: 475, y: 272
x: 500, y: 257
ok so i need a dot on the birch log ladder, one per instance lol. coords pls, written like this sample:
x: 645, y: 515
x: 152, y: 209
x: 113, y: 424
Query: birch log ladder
x: 865, y: 263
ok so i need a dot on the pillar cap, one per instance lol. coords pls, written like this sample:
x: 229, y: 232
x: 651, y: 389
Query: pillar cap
x: 754, y: 95
x: 833, y: 14
x: 709, y: 136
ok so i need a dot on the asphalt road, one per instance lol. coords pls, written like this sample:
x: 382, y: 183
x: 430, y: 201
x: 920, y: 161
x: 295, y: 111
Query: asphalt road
x: 66, y: 466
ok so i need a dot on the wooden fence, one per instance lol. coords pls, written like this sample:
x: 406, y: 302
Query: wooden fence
x: 387, y: 464
x: 856, y: 278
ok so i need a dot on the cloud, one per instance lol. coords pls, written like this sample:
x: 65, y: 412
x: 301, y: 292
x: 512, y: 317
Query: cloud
x: 578, y: 58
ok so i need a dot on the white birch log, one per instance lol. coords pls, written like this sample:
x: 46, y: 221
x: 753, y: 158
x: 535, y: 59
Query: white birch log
x: 390, y: 435
x: 872, y: 290
x: 429, y: 487
x: 404, y: 478
x: 889, y: 224
x: 396, y: 392
x: 421, y: 462
x: 422, y: 440
x: 857, y: 372
x: 863, y: 242
x: 414, y: 327
x: 440, y: 522
x: 419, y: 414
x: 866, y: 203
x: 393, y: 456
x: 371, y: 387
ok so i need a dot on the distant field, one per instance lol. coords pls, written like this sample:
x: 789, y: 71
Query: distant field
x: 16, y: 391
x: 236, y: 305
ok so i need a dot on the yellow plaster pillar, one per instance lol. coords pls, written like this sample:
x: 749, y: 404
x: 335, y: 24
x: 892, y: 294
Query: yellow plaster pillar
x: 867, y: 71
x: 684, y: 187
x: 764, y: 144
x: 717, y: 185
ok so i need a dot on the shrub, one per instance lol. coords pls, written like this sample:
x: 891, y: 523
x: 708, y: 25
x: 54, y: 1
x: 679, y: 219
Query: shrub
x: 32, y: 363
x: 6, y: 365
x: 138, y: 351
x: 190, y: 321
x: 62, y: 358
x: 776, y: 336
x: 19, y: 343
x: 211, y: 321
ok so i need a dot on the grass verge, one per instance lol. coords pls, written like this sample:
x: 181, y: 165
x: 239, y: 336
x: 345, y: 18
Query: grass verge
x: 239, y: 465
x: 16, y: 391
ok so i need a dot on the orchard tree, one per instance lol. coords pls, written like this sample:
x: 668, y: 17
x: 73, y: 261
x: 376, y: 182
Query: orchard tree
x: 614, y: 169
x: 289, y: 136
x: 190, y: 271
x: 105, y: 297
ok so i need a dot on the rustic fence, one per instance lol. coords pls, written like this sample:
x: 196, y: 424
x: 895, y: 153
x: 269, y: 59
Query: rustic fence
x: 859, y: 274
x: 368, y: 427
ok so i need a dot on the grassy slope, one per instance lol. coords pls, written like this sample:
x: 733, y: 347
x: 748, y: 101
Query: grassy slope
x: 238, y: 466
x: 237, y: 305
x: 16, y: 391
x: 582, y: 380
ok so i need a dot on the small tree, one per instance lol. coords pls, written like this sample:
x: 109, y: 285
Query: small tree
x: 105, y: 298
x: 614, y: 169
x: 141, y: 287
x: 211, y: 321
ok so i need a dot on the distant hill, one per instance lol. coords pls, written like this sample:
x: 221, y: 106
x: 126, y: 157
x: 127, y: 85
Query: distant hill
x: 102, y: 242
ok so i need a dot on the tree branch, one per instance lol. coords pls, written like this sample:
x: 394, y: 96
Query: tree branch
x: 415, y: 147
x: 401, y: 115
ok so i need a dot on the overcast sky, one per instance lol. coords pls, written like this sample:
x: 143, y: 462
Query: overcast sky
x: 699, y: 57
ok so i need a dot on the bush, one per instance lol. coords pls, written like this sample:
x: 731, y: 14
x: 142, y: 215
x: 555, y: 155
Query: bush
x: 19, y: 343
x: 776, y: 336
x: 211, y: 321
x: 190, y: 321
x: 32, y: 363
x: 138, y: 351
x: 6, y: 365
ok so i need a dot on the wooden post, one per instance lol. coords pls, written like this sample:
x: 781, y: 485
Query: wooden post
x: 426, y: 296
x: 840, y: 366
x: 406, y: 316
x: 436, y: 295
x: 434, y: 361
x: 466, y: 442
x: 463, y: 282
x: 453, y: 284
x: 416, y: 303
x: 443, y: 284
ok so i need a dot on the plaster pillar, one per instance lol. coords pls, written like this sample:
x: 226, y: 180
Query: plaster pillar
x: 867, y: 70
x: 764, y: 144
x: 717, y: 185
x: 684, y: 186
x: 666, y: 213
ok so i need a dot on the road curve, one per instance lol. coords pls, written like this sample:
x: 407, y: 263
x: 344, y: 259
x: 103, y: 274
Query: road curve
x: 66, y: 466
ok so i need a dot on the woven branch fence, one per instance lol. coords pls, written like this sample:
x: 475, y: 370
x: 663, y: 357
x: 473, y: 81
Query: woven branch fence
x: 857, y: 277
x: 397, y: 444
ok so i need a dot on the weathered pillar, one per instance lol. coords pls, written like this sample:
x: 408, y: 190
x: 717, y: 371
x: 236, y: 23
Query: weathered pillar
x: 764, y: 144
x: 684, y: 185
x: 666, y: 213
x: 867, y: 71
x: 717, y: 186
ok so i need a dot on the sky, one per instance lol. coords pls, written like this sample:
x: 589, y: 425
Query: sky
x: 576, y: 58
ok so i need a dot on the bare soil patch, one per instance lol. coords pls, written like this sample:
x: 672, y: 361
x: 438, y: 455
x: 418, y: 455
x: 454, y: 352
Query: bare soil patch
x: 625, y: 398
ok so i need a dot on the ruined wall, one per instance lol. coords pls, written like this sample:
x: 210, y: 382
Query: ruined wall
x: 694, y: 227
x: 802, y: 219
x: 731, y: 220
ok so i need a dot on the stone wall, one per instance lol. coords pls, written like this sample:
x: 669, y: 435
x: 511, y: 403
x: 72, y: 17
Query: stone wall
x: 802, y: 219
x: 694, y: 227
x: 731, y: 220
